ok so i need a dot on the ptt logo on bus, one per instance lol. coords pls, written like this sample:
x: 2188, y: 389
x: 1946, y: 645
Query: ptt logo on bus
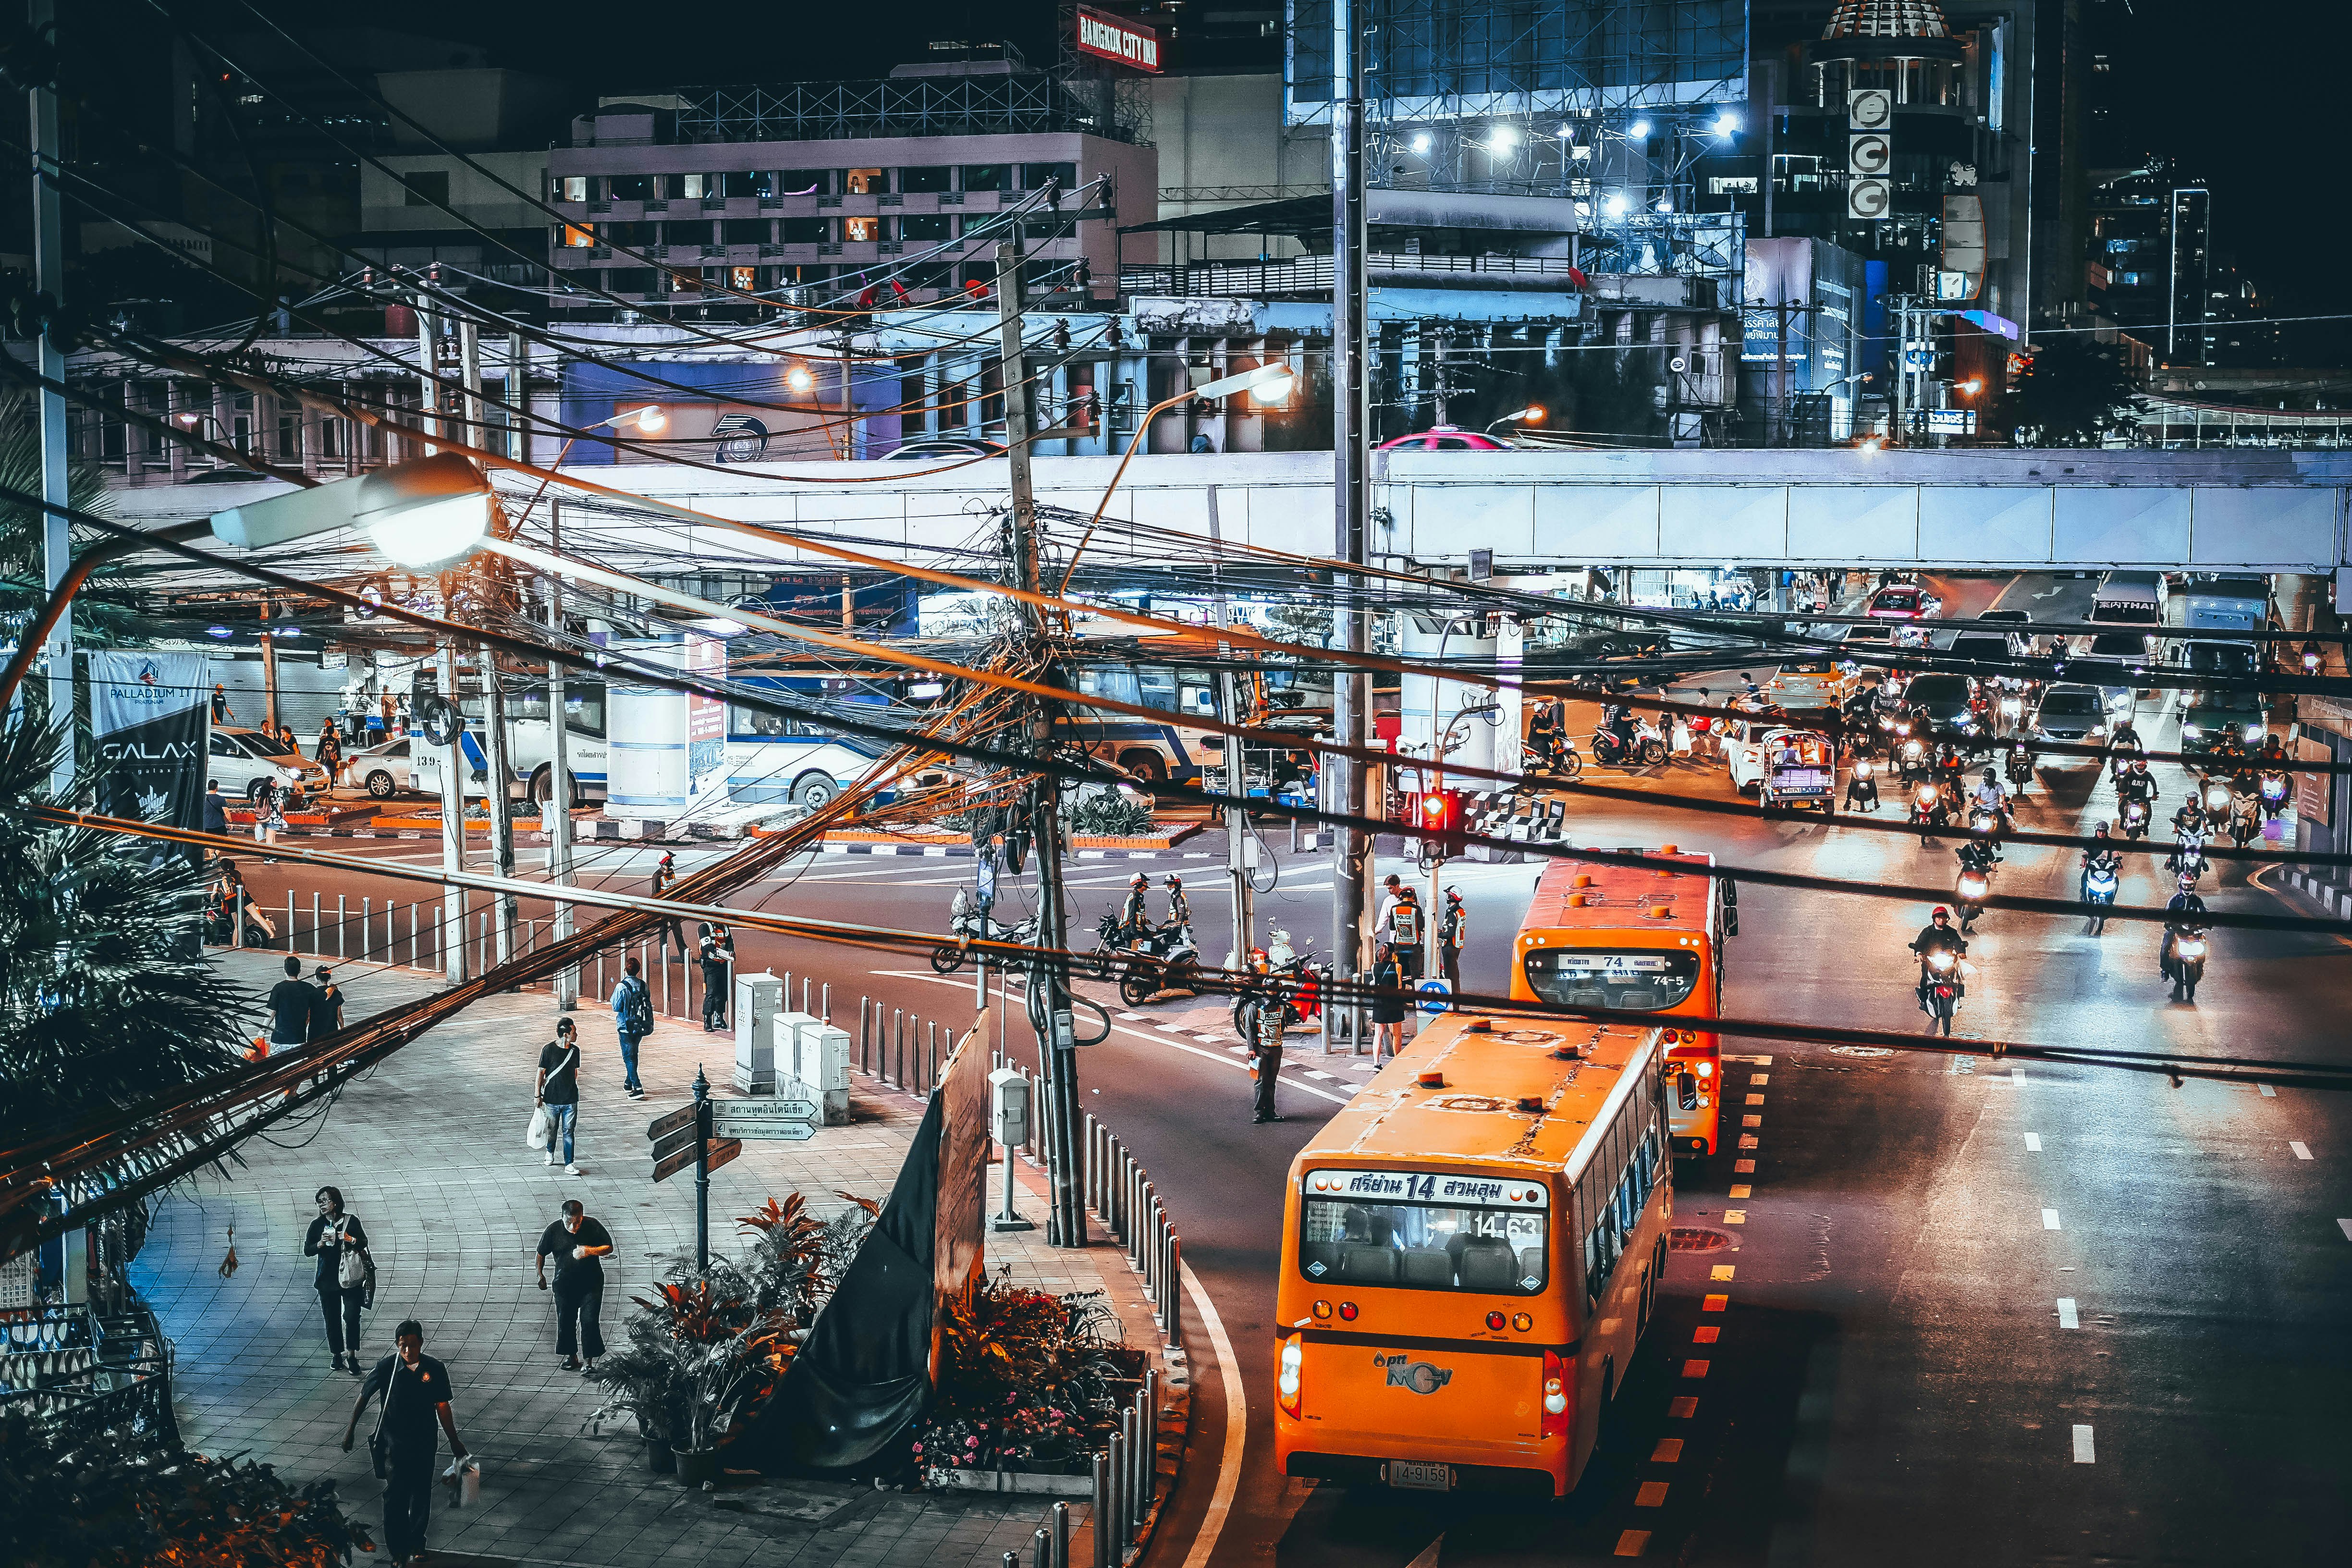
x: 1419, y: 1377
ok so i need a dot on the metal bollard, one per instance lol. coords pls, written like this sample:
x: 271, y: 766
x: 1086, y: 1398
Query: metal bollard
x: 824, y: 1001
x: 865, y: 1057
x: 1041, y: 1549
x: 367, y: 927
x: 665, y: 969
x: 1061, y: 1535
x: 289, y: 920
x: 896, y: 1056
x: 1100, y: 1500
x: 341, y: 915
x: 412, y: 936
x: 602, y: 990
x: 1110, y: 1518
x: 391, y: 941
x: 1130, y: 1425
x: 1012, y: 1560
x: 1175, y: 1291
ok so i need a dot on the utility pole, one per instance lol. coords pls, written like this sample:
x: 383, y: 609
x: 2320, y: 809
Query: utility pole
x: 1352, y: 494
x: 49, y: 278
x: 1049, y: 986
x: 1229, y: 700
x: 556, y: 817
x: 495, y: 769
x: 476, y: 430
x: 453, y: 819
x: 517, y: 388
x: 1901, y: 433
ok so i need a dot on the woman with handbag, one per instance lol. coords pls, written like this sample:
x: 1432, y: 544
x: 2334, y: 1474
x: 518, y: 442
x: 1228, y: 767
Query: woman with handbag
x: 346, y: 1279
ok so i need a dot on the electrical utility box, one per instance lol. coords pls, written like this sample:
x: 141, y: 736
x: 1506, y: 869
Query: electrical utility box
x: 823, y: 1066
x: 1008, y: 1104
x: 758, y: 999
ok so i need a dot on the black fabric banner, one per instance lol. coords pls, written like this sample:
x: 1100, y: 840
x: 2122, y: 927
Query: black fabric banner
x: 864, y: 1372
x: 147, y: 720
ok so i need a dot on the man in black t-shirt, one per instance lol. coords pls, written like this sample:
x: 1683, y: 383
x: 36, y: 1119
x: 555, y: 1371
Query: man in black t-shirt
x: 576, y: 1242
x: 293, y: 1008
x: 558, y: 1091
x: 415, y: 1392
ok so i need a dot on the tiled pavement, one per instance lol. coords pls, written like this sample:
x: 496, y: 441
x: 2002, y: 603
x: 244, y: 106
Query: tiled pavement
x: 428, y: 1151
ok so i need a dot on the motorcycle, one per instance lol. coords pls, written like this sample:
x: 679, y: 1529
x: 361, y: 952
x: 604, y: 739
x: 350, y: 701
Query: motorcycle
x: 2188, y: 855
x: 1157, y: 959
x: 2135, y: 816
x: 2012, y: 712
x: 1969, y: 893
x: 2216, y: 797
x: 2020, y: 766
x: 1930, y: 809
x: 2125, y: 745
x: 2273, y: 790
x: 2099, y: 889
x: 1644, y: 750
x: 1940, y: 980
x: 967, y: 922
x: 1862, y: 785
x: 2185, y: 961
x: 2245, y: 821
x: 1563, y: 760
x: 1913, y: 756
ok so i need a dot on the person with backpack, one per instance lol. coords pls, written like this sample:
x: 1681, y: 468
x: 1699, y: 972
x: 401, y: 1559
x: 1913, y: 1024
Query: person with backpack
x: 632, y: 1018
x: 558, y: 1090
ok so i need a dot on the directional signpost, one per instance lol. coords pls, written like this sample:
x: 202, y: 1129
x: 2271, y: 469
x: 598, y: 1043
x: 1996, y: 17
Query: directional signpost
x: 709, y: 1134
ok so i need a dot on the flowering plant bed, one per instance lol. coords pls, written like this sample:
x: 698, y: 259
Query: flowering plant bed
x: 1029, y: 1384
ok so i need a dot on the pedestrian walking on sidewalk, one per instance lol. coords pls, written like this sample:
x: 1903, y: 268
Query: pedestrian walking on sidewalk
x: 664, y: 878
x: 215, y: 808
x: 1388, y: 1007
x: 633, y: 1019
x: 329, y: 1015
x: 416, y: 1391
x: 718, y: 957
x: 330, y: 751
x: 293, y: 1009
x: 576, y: 1242
x: 268, y: 812
x: 558, y: 1090
x: 345, y: 1276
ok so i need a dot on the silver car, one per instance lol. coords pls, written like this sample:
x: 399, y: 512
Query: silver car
x: 241, y: 758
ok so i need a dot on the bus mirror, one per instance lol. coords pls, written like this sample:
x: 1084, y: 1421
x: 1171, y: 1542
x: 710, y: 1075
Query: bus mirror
x: 1731, y: 922
x: 1730, y: 893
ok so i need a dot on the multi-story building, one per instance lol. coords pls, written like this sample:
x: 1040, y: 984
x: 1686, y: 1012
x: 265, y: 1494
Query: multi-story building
x: 698, y: 198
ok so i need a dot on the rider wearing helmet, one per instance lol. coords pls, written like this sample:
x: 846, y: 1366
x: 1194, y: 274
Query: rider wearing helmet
x: 2186, y: 910
x: 2100, y: 856
x: 1936, y: 936
x: 1180, y: 912
x: 1988, y: 795
x: 1452, y: 926
x: 1133, y: 918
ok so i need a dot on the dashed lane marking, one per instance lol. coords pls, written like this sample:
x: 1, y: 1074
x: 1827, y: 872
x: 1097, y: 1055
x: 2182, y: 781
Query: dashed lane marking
x: 1754, y: 1099
x: 1694, y: 1368
x: 2017, y: 1076
x: 1311, y: 1072
x: 2084, y: 1454
x: 2033, y: 1142
x: 1760, y: 1080
x: 1669, y: 1451
x: 1723, y: 1271
x: 1748, y: 1140
x: 1744, y: 1167
x: 1682, y: 1408
x: 1714, y: 1304
x: 2268, y: 1092
x: 2345, y: 1226
x: 1652, y: 1494
x: 1741, y: 1189
x: 1735, y: 1217
x: 1706, y: 1336
x: 1751, y: 1121
x: 1633, y: 1543
x: 2050, y: 1219
x: 1130, y: 1017
x: 2302, y: 1150
x: 2067, y: 1317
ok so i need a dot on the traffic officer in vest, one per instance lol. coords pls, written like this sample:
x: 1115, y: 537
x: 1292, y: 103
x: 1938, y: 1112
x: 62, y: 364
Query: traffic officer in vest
x: 1180, y: 912
x: 1134, y: 921
x: 1453, y: 924
x: 1266, y: 1017
x: 1404, y: 931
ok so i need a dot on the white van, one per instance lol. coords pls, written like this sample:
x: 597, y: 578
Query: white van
x: 2129, y: 598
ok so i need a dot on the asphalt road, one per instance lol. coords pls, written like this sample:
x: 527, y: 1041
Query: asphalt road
x: 1975, y: 1314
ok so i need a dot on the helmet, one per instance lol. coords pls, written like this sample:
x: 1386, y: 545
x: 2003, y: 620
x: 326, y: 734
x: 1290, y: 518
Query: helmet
x: 1941, y: 913
x: 1140, y: 879
x: 1454, y: 894
x: 1988, y: 775
x: 2101, y: 832
x: 1174, y: 880
x: 2189, y: 882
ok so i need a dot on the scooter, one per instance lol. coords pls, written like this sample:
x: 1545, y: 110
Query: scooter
x: 1644, y: 750
x: 2135, y: 816
x: 2273, y: 790
x: 1940, y: 975
x: 2020, y: 766
x: 1913, y: 756
x: 1970, y: 893
x: 2099, y: 889
x: 2189, y: 856
x: 2245, y: 821
x: 967, y: 922
x: 1564, y: 761
x: 1862, y: 785
x: 1930, y: 809
x: 1159, y: 959
x: 2185, y: 961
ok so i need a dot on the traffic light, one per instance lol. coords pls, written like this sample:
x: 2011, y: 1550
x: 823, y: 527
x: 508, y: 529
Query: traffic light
x: 1441, y: 823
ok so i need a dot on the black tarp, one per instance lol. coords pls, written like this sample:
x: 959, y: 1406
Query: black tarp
x: 864, y: 1372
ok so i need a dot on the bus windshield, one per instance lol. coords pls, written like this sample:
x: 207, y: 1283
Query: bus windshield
x: 1646, y: 981
x: 1417, y: 1246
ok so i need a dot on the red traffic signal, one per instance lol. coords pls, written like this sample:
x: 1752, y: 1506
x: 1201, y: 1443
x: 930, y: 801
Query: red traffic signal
x: 1441, y: 823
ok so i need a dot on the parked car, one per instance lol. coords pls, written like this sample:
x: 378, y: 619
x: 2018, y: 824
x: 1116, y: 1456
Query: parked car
x: 946, y: 446
x: 241, y: 758
x: 383, y: 769
x: 1445, y: 438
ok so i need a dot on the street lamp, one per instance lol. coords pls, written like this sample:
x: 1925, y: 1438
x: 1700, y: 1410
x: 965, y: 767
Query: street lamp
x: 418, y: 514
x: 1533, y: 413
x: 1969, y: 387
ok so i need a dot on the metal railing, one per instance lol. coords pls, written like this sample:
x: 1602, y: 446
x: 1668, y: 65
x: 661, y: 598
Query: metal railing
x: 1312, y: 274
x: 72, y: 1368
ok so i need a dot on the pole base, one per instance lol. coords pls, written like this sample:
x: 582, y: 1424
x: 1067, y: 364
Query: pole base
x: 1010, y: 1222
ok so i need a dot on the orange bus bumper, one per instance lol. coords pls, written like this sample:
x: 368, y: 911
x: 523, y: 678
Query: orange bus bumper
x: 1310, y: 1449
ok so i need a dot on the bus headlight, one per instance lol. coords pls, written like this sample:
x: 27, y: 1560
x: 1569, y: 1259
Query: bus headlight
x: 1285, y: 1381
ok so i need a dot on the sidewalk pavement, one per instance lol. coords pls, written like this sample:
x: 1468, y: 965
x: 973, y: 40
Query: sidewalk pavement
x: 428, y: 1151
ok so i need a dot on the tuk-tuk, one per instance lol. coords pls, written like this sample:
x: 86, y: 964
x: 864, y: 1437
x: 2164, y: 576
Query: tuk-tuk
x: 1796, y: 768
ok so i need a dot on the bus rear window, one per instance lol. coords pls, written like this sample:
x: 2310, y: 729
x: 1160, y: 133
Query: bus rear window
x: 1422, y: 1246
x: 1644, y: 982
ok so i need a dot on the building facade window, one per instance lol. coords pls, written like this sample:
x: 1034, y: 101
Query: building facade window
x: 629, y: 187
x: 926, y: 226
x: 682, y: 187
x: 746, y: 231
x: 933, y: 177
x: 629, y: 279
x: 865, y: 182
x: 746, y: 185
x: 569, y: 187
x: 803, y: 182
x: 860, y: 230
x: 1036, y: 176
x: 424, y: 188
x: 807, y: 230
x: 575, y: 237
x: 696, y: 232
x: 987, y: 176
x: 632, y: 234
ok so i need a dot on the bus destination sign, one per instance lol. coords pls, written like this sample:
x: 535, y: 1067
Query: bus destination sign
x: 1456, y: 1187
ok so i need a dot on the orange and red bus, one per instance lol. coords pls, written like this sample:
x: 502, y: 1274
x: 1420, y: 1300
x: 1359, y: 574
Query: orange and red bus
x: 1646, y: 938
x: 1471, y: 1252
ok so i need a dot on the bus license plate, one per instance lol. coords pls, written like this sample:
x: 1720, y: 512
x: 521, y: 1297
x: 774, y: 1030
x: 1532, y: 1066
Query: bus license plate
x: 1419, y: 1475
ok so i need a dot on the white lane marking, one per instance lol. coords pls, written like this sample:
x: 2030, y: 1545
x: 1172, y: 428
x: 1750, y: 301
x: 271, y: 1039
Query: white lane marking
x: 1431, y: 1554
x: 2345, y: 1226
x: 2017, y: 1076
x: 2268, y: 1092
x: 2083, y: 1453
x: 1128, y: 1018
x: 1229, y: 1463
x: 1155, y: 1038
x: 1754, y: 1099
x: 2050, y: 1219
x: 2302, y: 1150
x: 1323, y: 1077
x: 2033, y: 1142
x: 2067, y: 1319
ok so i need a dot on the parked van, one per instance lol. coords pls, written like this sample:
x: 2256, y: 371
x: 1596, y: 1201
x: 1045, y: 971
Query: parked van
x: 2131, y: 599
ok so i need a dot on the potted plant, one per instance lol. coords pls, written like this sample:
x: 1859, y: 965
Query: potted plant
x: 640, y: 1381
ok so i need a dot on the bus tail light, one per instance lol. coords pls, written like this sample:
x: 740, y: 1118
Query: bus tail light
x: 1495, y: 1321
x: 1285, y: 1381
x: 1707, y: 1070
x: 1555, y: 1395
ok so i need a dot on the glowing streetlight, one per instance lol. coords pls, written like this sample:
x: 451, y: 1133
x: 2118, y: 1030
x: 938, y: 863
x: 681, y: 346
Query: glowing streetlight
x: 418, y: 514
x: 1615, y: 206
x: 1533, y: 413
x: 649, y: 416
x: 1971, y: 387
x: 1726, y: 124
x: 1271, y: 391
x: 1503, y: 137
x: 1638, y: 130
x: 799, y: 379
x: 1420, y: 143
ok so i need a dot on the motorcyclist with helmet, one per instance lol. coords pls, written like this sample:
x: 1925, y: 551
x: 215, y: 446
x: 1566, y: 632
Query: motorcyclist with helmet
x: 2184, y: 913
x: 1453, y: 925
x: 2101, y: 857
x: 1987, y: 796
x: 1134, y: 917
x: 1180, y: 911
x: 1938, y: 936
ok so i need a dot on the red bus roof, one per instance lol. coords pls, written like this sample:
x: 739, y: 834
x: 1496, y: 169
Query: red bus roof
x: 1670, y: 891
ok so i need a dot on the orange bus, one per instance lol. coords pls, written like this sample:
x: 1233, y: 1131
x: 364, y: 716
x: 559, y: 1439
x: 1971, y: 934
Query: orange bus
x: 1648, y: 938
x: 1471, y: 1252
